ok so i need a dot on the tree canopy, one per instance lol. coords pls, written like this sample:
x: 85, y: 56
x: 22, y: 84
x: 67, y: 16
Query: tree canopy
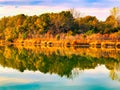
x: 23, y: 26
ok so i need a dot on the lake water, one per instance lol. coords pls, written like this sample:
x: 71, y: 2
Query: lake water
x: 59, y: 68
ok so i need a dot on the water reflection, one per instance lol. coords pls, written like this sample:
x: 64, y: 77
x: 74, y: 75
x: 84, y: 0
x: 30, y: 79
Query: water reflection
x: 92, y: 79
x: 62, y: 61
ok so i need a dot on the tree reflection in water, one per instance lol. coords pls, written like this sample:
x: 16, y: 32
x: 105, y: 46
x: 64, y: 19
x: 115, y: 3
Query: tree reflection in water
x: 61, y: 61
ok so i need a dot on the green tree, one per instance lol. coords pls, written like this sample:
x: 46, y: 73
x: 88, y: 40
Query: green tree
x: 44, y: 23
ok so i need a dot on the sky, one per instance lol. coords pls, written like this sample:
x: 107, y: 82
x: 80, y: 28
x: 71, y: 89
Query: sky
x: 99, y: 8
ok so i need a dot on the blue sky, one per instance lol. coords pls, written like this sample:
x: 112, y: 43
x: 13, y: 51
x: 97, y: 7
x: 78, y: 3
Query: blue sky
x: 98, y: 8
x: 71, y: 3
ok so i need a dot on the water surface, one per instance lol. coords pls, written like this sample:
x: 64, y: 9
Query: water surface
x: 59, y: 69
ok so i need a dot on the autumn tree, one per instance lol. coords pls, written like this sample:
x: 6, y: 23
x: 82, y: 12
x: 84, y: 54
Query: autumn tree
x: 116, y: 13
x: 87, y: 23
x: 61, y: 22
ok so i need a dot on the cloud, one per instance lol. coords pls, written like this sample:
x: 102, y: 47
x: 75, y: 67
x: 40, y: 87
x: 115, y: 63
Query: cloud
x: 37, y: 10
x: 29, y: 10
x: 100, y: 13
x: 72, y: 3
x: 98, y: 8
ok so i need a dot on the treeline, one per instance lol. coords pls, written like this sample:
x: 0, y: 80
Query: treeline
x: 23, y: 26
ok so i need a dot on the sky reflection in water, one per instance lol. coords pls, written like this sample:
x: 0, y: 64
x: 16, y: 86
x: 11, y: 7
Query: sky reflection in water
x: 92, y: 79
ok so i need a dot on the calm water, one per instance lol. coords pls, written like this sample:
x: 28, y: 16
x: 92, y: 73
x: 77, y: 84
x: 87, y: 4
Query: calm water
x: 55, y: 68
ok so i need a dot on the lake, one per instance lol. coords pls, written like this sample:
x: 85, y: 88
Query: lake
x: 59, y: 68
